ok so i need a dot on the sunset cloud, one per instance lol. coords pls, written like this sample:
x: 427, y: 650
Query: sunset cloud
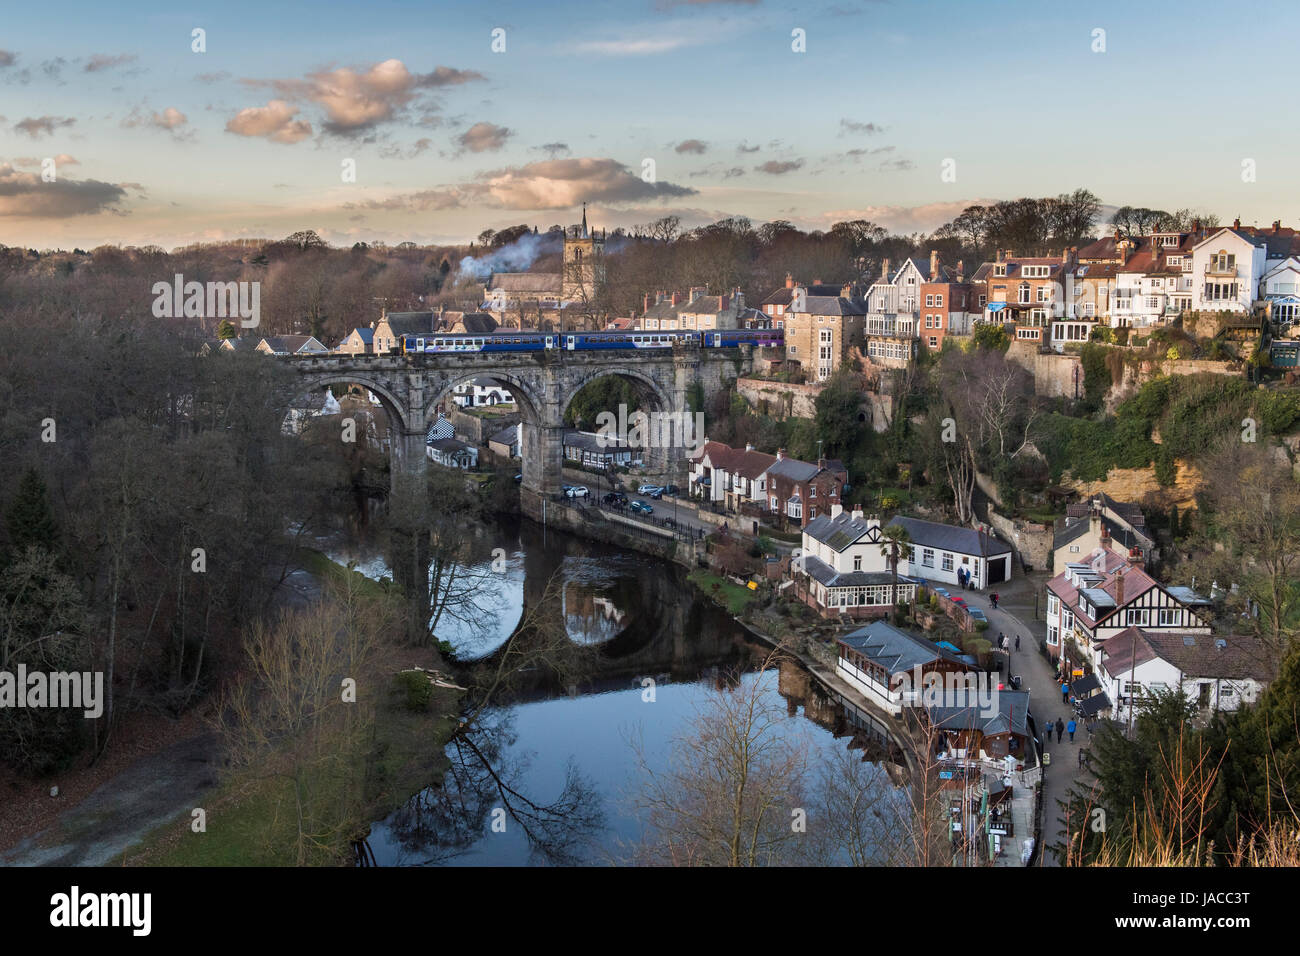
x: 484, y: 137
x: 26, y: 195
x: 274, y: 121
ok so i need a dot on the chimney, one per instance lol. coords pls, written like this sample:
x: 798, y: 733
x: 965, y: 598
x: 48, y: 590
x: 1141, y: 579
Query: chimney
x: 1196, y: 226
x: 1277, y: 225
x: 847, y: 291
x: 789, y: 281
x: 821, y: 464
x: 1236, y: 223
x: 999, y: 255
x: 884, y: 269
x: 780, y: 454
x: 677, y: 298
x: 1135, y: 557
x: 857, y: 513
x: 837, y: 509
x: 961, y: 271
x: 1117, y: 233
x: 934, y: 265
x: 722, y: 302
x: 749, y: 446
x: 647, y: 303
x: 1119, y: 588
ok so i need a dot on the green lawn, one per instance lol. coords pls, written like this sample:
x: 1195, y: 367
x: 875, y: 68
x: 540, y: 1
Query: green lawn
x: 733, y: 597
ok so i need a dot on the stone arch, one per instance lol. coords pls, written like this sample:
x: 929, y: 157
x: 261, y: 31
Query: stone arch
x: 663, y: 453
x: 393, y: 405
x: 524, y: 392
x: 646, y: 383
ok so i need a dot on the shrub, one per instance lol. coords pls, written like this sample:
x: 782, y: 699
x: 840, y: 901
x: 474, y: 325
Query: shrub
x: 417, y: 690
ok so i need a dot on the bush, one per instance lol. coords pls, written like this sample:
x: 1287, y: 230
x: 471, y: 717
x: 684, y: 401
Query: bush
x: 416, y: 689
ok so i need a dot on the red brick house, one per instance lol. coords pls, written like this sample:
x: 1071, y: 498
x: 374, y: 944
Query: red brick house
x: 799, y: 491
x: 948, y: 303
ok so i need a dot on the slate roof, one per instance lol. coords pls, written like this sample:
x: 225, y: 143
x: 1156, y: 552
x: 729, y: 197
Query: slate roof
x: 411, y: 323
x: 895, y: 650
x: 832, y: 305
x: 506, y: 436
x: 947, y: 537
x: 449, y: 445
x: 526, y: 282
x: 1077, y: 527
x: 784, y: 295
x: 822, y: 572
x: 797, y: 471
x: 1234, y: 657
x: 366, y: 335
x: 1010, y: 716
x: 838, y: 532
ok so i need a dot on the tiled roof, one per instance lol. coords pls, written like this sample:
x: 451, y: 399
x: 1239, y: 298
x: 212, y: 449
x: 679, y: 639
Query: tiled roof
x: 827, y: 576
x: 838, y: 532
x: 1010, y: 716
x: 947, y: 537
x: 526, y: 282
x: 832, y: 305
x: 895, y: 650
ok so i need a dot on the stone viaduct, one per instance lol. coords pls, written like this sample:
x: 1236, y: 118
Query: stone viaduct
x: 543, y: 383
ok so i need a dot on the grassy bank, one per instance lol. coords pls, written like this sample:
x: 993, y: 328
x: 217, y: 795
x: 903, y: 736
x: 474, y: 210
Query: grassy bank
x: 734, y: 597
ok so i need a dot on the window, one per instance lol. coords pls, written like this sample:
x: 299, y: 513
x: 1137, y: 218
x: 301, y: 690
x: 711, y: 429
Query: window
x: 1134, y: 617
x: 1053, y: 635
x: 857, y: 562
x: 1053, y: 604
x: 1067, y: 619
x: 1000, y: 270
x: 1223, y: 262
x: 947, y: 561
x: 927, y: 557
x: 1024, y: 292
x: 938, y: 300
x: 934, y: 341
x: 1044, y: 294
x: 929, y: 301
x: 1171, y: 616
x: 1034, y: 272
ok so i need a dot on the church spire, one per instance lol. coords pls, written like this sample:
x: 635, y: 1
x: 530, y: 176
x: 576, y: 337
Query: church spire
x: 584, y: 220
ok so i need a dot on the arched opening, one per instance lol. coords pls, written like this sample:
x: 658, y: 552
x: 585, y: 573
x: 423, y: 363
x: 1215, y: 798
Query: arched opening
x: 487, y: 422
x: 619, y: 420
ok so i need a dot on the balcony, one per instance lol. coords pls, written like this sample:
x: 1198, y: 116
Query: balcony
x: 1229, y: 271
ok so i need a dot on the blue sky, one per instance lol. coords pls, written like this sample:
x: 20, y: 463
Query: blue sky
x: 154, y: 143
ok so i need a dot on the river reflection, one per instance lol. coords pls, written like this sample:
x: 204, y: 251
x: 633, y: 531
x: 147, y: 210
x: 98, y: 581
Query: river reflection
x: 548, y: 778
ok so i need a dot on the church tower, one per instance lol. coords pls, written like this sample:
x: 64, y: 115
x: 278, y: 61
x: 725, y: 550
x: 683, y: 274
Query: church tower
x: 584, y: 265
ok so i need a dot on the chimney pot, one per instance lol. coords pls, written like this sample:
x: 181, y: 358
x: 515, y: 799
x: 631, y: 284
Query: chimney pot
x: 884, y: 269
x: 780, y: 454
x: 789, y: 281
x: 934, y: 265
x: 1236, y: 223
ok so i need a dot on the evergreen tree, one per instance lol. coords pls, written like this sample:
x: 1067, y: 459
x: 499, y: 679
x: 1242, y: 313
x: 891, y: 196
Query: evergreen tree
x: 29, y: 518
x: 225, y: 330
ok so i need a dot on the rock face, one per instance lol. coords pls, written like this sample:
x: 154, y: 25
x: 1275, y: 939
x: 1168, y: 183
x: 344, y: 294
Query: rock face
x: 1140, y: 485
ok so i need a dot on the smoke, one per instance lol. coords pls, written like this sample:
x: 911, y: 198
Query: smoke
x: 516, y: 257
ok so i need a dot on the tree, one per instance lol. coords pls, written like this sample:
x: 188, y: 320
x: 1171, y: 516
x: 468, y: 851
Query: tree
x: 894, y: 541
x: 29, y: 518
x: 226, y: 331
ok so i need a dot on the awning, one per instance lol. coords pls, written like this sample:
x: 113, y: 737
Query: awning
x: 997, y: 306
x: 1091, y: 706
x: 1085, y: 685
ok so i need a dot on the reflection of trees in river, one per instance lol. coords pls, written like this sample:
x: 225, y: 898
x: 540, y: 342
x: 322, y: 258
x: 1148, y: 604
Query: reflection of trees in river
x: 485, y: 778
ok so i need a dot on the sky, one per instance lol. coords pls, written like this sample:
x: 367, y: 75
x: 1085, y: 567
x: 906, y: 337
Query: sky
x: 430, y: 122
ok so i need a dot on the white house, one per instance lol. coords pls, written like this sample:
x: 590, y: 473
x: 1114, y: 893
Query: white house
x: 452, y: 453
x: 732, y: 476
x: 1280, y: 288
x: 1156, y: 283
x: 1217, y: 673
x: 1227, y: 266
x: 939, y: 551
x: 842, y: 569
x: 481, y: 391
x: 894, y: 301
x: 874, y: 660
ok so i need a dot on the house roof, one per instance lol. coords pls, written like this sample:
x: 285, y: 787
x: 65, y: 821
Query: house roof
x: 525, y: 282
x: 506, y: 436
x: 1130, y: 512
x: 1076, y: 528
x: 797, y: 471
x: 947, y: 537
x: 1231, y: 657
x: 366, y: 335
x: 449, y: 445
x: 410, y: 323
x: 839, y: 532
x: 832, y: 305
x: 1009, y: 717
x: 895, y: 650
x: 822, y: 572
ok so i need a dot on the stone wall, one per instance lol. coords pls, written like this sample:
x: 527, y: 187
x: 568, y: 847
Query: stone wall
x: 778, y: 399
x: 1054, y: 373
x: 1139, y: 485
x: 1032, y: 541
x: 476, y: 430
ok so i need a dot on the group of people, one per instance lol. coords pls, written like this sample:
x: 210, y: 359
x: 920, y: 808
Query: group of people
x: 964, y: 579
x: 1004, y: 642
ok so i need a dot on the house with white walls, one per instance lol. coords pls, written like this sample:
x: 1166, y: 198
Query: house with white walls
x: 1280, y: 290
x: 1227, y: 266
x: 1216, y: 673
x: 842, y: 569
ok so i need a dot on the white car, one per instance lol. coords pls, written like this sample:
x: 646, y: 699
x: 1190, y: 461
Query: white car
x: 648, y: 489
x: 578, y: 491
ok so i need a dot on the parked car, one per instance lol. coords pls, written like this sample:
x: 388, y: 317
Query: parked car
x: 641, y: 508
x: 647, y: 489
x: 565, y: 489
x: 578, y: 491
x: 672, y: 490
x: 656, y: 494
x: 977, y: 615
x: 615, y: 498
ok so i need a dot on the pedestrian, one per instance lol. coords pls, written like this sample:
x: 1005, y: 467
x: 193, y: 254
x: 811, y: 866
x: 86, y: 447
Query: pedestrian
x: 1060, y: 729
x: 1017, y: 642
x: 1072, y: 726
x: 995, y: 600
x: 1065, y: 692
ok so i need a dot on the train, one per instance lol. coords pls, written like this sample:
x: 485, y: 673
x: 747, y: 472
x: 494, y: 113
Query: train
x: 517, y: 341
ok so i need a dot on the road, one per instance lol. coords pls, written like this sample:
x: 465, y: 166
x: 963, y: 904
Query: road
x: 1015, y: 616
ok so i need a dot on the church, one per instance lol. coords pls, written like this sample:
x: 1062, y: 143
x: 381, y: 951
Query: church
x: 554, y: 300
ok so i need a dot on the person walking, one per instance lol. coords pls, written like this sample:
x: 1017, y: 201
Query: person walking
x: 1060, y: 729
x: 995, y: 600
x: 1072, y: 726
x: 1017, y: 642
x: 1065, y: 692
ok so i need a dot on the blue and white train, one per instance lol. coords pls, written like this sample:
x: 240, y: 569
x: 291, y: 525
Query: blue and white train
x: 517, y: 341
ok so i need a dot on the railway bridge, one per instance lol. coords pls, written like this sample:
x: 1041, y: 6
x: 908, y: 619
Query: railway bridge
x: 543, y: 383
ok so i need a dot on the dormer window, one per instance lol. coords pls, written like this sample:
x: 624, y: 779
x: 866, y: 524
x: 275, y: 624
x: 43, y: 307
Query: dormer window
x: 1034, y: 272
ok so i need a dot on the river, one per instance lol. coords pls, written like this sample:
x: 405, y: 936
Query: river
x: 554, y: 775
